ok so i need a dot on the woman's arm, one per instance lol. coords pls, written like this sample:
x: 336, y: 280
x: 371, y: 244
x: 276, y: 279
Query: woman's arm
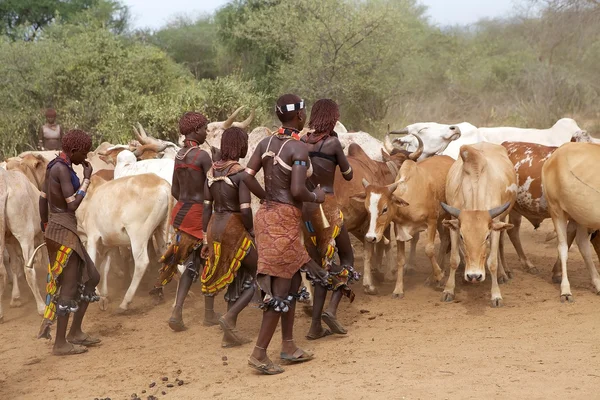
x: 342, y: 161
x: 245, y: 207
x: 208, y: 207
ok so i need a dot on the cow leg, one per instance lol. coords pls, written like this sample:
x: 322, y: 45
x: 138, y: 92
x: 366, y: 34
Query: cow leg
x: 515, y: 238
x: 140, y: 255
x: 448, y: 294
x: 103, y: 290
x: 3, y: 279
x: 401, y: 259
x: 15, y: 298
x: 368, y: 286
x: 436, y: 273
x: 444, y: 245
x: 560, y: 218
x: 27, y: 248
x: 596, y: 244
x: 493, y: 261
x: 410, y: 266
x: 504, y: 272
x: 571, y: 233
x: 91, y: 248
x: 583, y: 242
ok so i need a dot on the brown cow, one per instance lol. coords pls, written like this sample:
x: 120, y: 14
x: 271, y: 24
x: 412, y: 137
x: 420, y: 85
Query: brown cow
x: 528, y: 160
x: 412, y: 202
x: 355, y: 215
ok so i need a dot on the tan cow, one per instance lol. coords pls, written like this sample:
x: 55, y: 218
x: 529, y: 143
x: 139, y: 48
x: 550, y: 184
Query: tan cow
x: 128, y: 211
x: 19, y: 223
x: 572, y: 190
x: 412, y: 203
x: 355, y: 214
x: 33, y: 166
x: 481, y: 189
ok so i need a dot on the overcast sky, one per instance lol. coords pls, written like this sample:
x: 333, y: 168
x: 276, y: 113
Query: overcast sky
x: 155, y: 13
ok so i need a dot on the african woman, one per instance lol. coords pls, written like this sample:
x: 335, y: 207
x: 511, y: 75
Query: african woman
x: 72, y: 276
x: 326, y: 154
x: 229, y: 249
x: 189, y: 177
x: 281, y: 253
x: 50, y: 133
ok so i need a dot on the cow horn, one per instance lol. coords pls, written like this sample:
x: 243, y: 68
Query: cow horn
x: 246, y: 123
x: 365, y: 182
x: 387, y: 144
x: 494, y: 212
x: 450, y: 210
x: 400, y: 132
x: 32, y: 258
x: 415, y: 156
x: 229, y: 121
x: 138, y: 135
x: 392, y: 187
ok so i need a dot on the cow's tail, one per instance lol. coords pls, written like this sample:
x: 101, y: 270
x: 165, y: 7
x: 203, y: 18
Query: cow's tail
x: 167, y: 223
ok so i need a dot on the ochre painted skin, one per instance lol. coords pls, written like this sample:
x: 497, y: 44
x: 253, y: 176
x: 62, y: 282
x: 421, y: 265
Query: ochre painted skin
x: 323, y: 168
x: 188, y: 183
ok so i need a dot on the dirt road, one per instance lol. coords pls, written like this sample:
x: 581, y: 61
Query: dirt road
x: 415, y: 348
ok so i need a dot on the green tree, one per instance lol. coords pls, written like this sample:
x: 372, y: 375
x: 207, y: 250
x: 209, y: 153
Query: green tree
x: 24, y: 19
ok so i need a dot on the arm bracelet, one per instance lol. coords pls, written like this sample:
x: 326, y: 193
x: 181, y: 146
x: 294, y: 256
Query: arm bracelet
x: 347, y: 172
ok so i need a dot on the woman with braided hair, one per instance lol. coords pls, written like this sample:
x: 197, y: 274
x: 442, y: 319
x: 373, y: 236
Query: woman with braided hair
x: 281, y: 253
x: 72, y: 276
x: 326, y: 154
x: 230, y: 253
x: 189, y: 177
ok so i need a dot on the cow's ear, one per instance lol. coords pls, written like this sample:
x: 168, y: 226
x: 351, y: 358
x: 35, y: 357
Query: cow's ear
x: 359, y: 198
x: 399, y: 202
x: 452, y: 224
x: 501, y: 226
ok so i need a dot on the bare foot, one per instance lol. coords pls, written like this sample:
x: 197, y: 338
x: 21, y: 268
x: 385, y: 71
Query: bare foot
x: 211, y: 318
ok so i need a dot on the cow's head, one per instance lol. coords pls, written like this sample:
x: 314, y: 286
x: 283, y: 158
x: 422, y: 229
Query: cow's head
x: 381, y: 204
x: 475, y: 229
x: 397, y: 156
x: 436, y: 137
x: 581, y: 136
x: 214, y: 130
x: 109, y: 156
x: 33, y: 166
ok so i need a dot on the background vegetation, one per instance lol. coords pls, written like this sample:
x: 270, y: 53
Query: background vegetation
x: 382, y: 60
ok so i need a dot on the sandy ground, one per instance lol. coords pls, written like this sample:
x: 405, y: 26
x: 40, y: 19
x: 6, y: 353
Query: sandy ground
x: 414, y: 348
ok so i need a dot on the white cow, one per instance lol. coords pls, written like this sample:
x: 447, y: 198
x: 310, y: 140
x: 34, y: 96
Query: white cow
x: 440, y: 139
x: 128, y: 165
x: 125, y: 212
x: 19, y: 224
x: 561, y: 132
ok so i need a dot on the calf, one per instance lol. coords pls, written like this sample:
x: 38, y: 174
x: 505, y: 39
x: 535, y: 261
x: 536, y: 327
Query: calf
x: 412, y: 203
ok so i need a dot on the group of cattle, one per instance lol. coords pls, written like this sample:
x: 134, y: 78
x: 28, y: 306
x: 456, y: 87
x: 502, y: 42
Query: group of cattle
x: 454, y: 179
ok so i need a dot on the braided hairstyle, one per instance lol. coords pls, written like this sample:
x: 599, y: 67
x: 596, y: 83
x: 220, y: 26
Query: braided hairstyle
x: 234, y: 144
x: 190, y: 122
x: 323, y: 116
x: 76, y: 140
